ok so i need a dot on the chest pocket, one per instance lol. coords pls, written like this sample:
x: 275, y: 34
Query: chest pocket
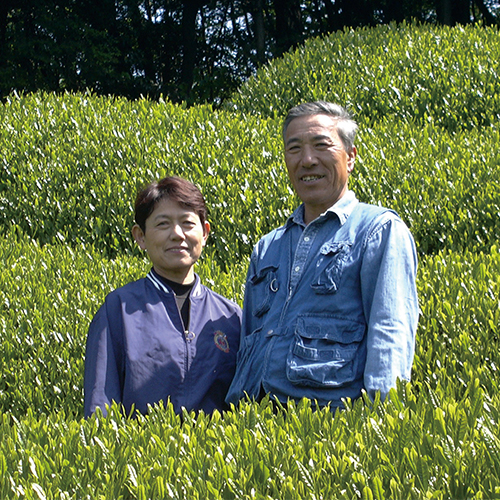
x: 264, y: 287
x: 329, y: 266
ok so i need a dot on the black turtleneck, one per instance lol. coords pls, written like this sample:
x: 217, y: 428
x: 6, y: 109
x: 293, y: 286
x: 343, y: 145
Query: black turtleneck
x: 181, y: 295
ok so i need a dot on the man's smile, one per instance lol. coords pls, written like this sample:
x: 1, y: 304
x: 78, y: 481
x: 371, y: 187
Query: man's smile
x: 309, y: 178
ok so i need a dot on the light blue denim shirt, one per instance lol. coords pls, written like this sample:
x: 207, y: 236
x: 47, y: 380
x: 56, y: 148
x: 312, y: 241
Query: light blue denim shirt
x: 330, y: 308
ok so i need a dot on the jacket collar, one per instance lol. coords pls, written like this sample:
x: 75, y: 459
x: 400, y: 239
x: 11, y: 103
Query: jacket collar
x: 159, y: 285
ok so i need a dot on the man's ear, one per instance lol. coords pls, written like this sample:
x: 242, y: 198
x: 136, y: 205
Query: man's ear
x: 206, y: 232
x: 351, y: 158
x: 138, y: 235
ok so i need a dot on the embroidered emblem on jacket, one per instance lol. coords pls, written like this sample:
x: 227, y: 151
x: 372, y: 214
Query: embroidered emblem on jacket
x: 221, y: 342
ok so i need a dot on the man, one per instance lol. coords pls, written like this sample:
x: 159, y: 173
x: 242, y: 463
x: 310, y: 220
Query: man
x: 330, y: 302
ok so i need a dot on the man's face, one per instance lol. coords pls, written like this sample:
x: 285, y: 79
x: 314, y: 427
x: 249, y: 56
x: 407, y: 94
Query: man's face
x: 174, y: 239
x: 317, y: 162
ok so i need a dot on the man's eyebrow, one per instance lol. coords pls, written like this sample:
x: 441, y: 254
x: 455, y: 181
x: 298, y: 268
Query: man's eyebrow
x: 319, y: 137
x: 292, y: 139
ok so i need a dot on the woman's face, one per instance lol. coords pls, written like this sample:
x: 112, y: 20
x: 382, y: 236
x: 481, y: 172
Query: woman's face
x: 174, y: 239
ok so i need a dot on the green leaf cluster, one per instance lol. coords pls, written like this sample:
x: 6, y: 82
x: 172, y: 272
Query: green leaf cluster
x: 411, y: 446
x: 71, y: 167
x: 398, y: 72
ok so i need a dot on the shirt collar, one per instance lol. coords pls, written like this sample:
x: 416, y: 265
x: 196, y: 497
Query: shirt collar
x: 342, y: 209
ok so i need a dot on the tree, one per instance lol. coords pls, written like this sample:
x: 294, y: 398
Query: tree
x: 186, y: 50
x: 289, y: 25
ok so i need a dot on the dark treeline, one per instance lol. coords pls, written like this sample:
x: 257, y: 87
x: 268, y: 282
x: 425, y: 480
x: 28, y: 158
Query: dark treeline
x: 192, y: 50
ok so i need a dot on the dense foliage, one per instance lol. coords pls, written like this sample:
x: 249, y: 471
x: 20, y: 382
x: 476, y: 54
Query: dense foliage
x: 69, y: 169
x: 80, y: 189
x: 418, y: 74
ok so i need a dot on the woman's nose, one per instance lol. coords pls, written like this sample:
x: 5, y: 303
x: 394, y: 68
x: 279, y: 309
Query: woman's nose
x: 177, y: 231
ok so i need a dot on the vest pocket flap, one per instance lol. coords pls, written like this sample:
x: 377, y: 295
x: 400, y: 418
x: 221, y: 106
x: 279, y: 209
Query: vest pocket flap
x: 329, y: 267
x: 330, y: 329
x: 265, y: 285
x: 341, y: 355
x: 325, y: 352
x: 262, y: 273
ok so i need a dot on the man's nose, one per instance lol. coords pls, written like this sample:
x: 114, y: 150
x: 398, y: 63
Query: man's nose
x: 308, y: 158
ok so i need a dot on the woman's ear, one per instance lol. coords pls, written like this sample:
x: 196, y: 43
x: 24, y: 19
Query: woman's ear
x: 206, y: 231
x: 138, y: 235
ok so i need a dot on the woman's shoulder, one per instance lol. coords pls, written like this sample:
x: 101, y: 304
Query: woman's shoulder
x: 132, y: 289
x: 203, y: 290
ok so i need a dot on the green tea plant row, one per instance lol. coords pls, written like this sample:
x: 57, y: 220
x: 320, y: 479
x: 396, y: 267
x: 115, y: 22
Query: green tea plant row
x: 71, y: 166
x: 447, y: 76
x: 425, y: 446
x: 50, y: 294
x: 48, y: 297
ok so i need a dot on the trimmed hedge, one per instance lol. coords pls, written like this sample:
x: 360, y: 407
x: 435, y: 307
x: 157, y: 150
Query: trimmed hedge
x: 425, y: 446
x: 72, y: 166
x: 420, y: 74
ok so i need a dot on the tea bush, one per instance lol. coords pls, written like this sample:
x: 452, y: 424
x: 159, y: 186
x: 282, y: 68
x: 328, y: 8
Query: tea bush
x: 421, y: 74
x: 72, y: 165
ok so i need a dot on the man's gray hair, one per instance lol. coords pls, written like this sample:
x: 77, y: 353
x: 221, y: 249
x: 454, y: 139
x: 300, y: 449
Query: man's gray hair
x: 346, y: 126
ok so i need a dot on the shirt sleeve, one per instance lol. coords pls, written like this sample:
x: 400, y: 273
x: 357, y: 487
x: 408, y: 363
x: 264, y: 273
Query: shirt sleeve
x: 247, y: 321
x: 390, y: 302
x: 101, y: 380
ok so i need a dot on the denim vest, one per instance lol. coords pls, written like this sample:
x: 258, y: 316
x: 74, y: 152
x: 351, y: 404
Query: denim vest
x: 330, y: 308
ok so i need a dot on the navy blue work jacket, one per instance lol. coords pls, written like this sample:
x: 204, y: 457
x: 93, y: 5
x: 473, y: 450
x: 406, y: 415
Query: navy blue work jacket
x: 138, y: 352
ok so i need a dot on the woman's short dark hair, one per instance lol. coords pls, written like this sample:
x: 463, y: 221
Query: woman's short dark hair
x: 173, y: 188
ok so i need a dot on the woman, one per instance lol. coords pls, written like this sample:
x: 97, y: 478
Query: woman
x: 165, y: 336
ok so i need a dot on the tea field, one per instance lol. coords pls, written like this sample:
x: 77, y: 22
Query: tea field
x: 427, y: 101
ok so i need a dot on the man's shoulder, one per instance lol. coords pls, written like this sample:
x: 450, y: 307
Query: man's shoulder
x: 370, y: 208
x: 271, y: 239
x: 367, y: 219
x: 373, y: 213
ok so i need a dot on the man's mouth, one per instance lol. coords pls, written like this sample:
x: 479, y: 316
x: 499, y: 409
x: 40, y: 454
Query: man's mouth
x: 310, y: 178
